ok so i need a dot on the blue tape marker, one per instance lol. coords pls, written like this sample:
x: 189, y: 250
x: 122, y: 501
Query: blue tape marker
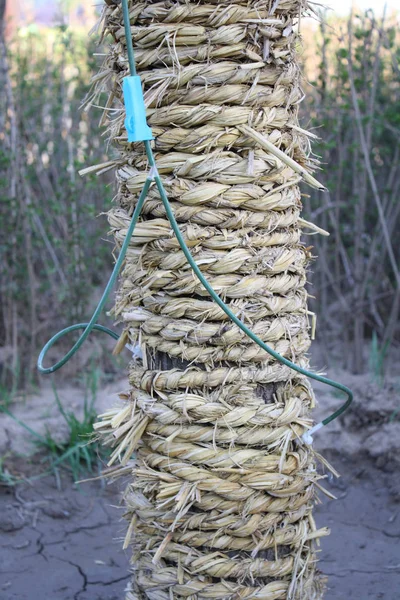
x: 135, y: 122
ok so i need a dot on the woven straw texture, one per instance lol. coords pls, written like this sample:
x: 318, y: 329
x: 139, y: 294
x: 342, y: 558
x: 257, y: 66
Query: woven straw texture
x: 220, y: 492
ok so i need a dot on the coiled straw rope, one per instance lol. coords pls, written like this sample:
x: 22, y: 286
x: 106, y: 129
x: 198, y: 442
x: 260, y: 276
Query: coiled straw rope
x: 219, y: 501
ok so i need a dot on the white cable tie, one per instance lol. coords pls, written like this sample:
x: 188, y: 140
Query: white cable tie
x: 307, y: 437
x: 152, y: 173
x: 136, y: 350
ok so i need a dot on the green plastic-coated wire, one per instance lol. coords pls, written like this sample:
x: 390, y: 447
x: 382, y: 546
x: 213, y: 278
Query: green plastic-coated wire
x: 92, y: 325
x: 228, y: 311
x: 88, y: 327
x: 129, y: 45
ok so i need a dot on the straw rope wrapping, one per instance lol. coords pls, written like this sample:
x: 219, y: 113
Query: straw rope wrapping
x: 220, y: 501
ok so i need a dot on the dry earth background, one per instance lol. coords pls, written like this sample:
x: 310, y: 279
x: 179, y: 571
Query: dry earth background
x: 64, y: 541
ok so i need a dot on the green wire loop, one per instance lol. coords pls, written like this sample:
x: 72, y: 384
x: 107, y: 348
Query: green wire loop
x: 92, y: 325
x: 89, y: 327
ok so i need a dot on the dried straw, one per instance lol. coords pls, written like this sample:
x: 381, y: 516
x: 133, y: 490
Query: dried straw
x: 220, y: 499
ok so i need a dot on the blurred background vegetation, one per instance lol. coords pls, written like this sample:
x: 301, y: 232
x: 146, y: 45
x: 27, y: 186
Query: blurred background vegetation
x: 53, y: 262
x: 352, y: 102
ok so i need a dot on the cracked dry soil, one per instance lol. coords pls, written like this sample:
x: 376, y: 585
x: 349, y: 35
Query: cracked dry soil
x: 65, y: 544
x: 61, y: 544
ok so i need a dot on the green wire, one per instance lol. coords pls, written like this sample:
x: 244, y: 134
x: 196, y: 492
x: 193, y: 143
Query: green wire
x: 92, y: 325
x: 129, y: 45
x: 200, y: 276
x: 88, y: 327
x: 228, y: 311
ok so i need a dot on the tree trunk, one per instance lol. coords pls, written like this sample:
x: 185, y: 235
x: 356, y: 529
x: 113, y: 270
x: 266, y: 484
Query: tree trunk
x: 220, y: 498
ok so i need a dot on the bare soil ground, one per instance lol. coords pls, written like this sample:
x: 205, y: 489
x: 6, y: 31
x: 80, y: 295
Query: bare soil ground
x: 361, y: 557
x: 63, y: 542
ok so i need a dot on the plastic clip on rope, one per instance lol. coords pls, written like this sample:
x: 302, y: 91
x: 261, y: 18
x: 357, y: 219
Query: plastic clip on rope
x: 138, y: 130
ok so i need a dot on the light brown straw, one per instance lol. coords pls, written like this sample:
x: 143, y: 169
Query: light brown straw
x: 219, y: 501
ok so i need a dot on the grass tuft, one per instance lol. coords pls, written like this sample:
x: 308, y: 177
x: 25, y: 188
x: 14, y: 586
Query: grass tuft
x: 79, y: 452
x: 377, y: 359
